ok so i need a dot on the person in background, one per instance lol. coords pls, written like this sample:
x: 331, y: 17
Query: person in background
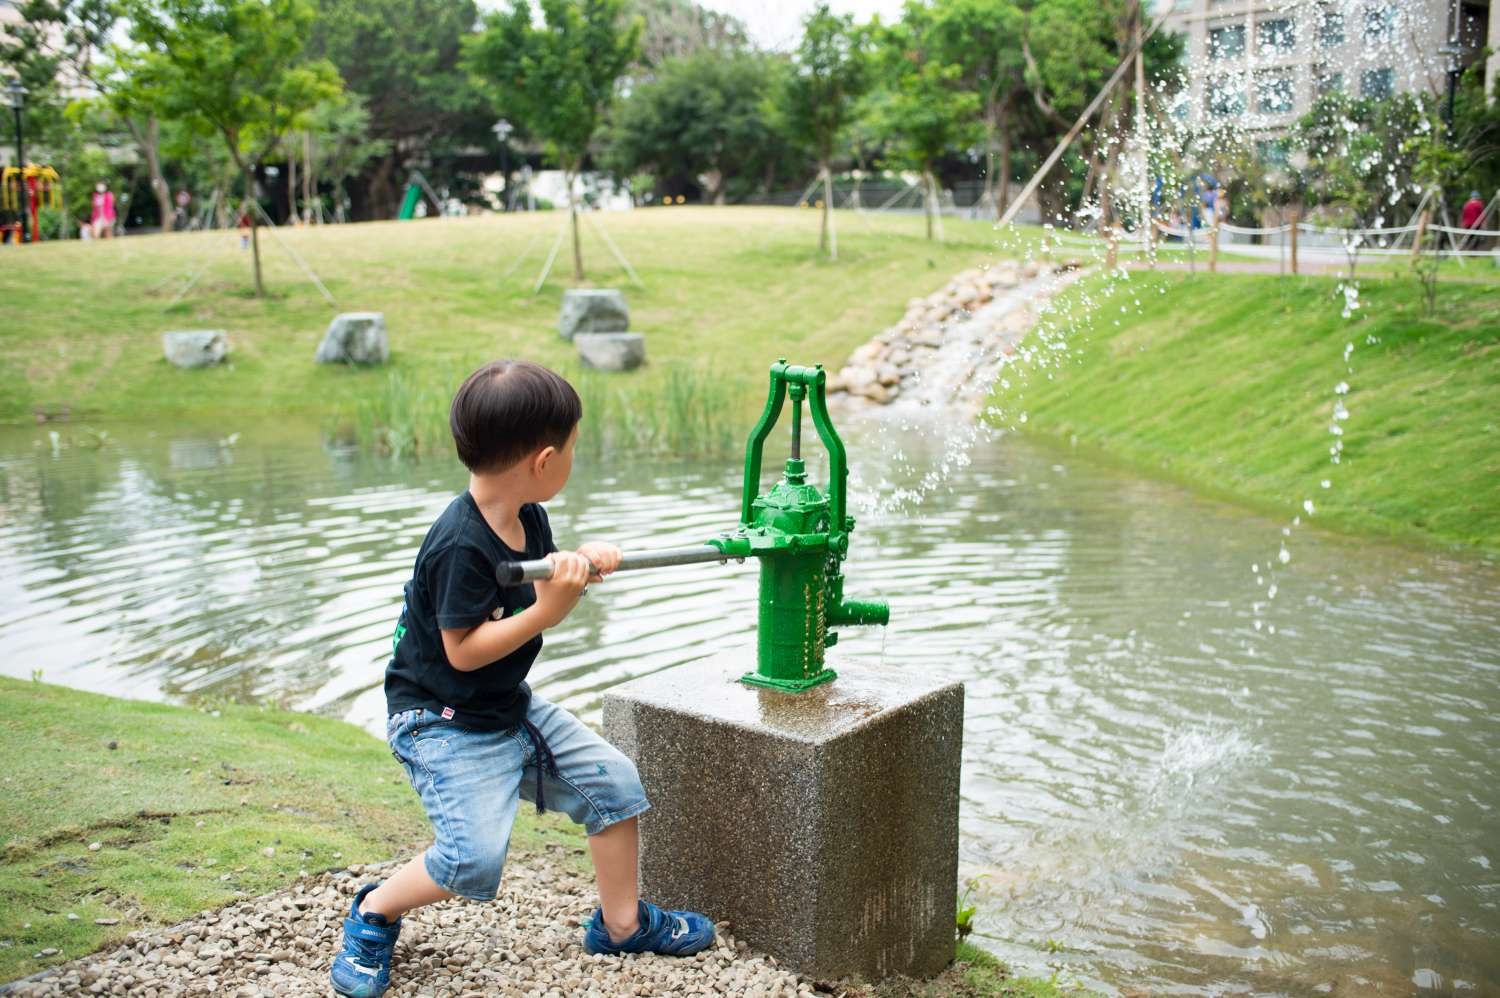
x: 1472, y: 218
x: 102, y: 215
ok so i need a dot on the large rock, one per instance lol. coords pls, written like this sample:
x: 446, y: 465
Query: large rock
x: 195, y: 347
x: 824, y: 825
x: 355, y: 338
x: 611, y: 351
x: 592, y: 310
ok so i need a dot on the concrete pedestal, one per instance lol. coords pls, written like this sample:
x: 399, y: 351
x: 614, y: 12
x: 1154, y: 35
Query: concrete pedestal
x: 823, y: 825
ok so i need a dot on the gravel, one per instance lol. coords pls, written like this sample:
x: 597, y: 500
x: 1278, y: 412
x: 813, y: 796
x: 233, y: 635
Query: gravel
x: 526, y: 942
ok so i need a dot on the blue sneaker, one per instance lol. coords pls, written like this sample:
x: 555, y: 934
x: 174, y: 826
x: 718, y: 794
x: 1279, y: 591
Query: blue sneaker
x: 363, y: 967
x: 671, y: 933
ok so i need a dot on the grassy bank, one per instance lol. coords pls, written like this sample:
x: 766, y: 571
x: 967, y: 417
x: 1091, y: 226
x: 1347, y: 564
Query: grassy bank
x: 1228, y: 383
x: 189, y: 809
x: 726, y: 292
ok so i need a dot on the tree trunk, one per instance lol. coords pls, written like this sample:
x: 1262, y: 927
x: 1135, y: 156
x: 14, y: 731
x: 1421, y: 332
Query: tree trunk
x: 1002, y: 200
x: 250, y: 206
x: 150, y: 145
x: 291, y: 187
x: 991, y: 127
x: 571, y: 175
x: 927, y: 196
x: 823, y: 231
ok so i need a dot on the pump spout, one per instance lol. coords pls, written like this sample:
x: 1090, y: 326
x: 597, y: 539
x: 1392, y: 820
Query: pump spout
x: 853, y: 613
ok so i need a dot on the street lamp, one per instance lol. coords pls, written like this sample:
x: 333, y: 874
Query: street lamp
x: 17, y: 94
x: 502, y: 132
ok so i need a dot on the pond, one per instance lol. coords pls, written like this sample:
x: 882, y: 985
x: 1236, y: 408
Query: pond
x: 1158, y: 796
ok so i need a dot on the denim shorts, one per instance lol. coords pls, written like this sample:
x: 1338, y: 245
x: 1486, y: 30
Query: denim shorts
x: 472, y: 782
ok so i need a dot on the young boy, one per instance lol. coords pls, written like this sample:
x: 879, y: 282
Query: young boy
x: 471, y: 735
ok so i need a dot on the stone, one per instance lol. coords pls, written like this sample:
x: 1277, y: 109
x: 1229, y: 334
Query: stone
x: 592, y: 310
x: 611, y: 351
x: 355, y: 338
x: 823, y: 825
x: 195, y: 347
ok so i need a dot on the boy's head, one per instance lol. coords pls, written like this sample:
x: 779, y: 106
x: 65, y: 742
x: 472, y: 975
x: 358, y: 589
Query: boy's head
x: 510, y: 411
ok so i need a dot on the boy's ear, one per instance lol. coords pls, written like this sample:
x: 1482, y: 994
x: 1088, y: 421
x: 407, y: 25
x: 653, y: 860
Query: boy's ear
x: 541, y: 459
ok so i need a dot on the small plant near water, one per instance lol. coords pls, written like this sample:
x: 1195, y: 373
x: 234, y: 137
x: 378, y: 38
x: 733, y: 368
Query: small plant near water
x: 678, y: 409
x: 967, y: 908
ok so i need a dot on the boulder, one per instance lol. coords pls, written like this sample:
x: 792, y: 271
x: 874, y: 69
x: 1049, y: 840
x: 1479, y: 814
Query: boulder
x: 611, y: 351
x: 195, y: 347
x: 592, y: 310
x: 355, y: 338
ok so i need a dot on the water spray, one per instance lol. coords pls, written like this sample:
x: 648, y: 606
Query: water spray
x: 799, y: 533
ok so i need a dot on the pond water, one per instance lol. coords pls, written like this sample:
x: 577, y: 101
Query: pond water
x: 1158, y: 797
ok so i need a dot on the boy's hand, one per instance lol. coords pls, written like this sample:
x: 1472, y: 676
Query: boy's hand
x: 604, y: 556
x: 556, y: 597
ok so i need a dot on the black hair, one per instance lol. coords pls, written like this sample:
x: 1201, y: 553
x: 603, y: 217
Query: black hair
x: 508, y: 409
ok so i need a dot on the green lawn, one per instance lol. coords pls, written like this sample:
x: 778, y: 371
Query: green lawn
x: 1228, y: 383
x: 183, y: 805
x: 726, y: 290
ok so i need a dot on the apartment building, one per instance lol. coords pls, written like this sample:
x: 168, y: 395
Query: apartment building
x: 1262, y: 63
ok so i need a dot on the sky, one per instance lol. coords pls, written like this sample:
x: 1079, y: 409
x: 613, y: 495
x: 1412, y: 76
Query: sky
x: 776, y: 24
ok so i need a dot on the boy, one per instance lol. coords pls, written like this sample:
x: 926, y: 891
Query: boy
x: 471, y: 735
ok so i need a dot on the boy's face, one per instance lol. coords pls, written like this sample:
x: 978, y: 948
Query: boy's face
x: 554, y: 465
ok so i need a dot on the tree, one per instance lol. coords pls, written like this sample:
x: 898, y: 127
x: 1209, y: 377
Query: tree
x: 559, y: 79
x: 702, y: 117
x: 830, y: 71
x: 235, y: 69
x: 404, y: 58
x: 983, y: 39
x: 672, y: 29
x: 923, y: 112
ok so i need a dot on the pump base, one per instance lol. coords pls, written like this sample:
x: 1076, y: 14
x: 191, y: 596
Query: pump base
x: 789, y: 685
x: 824, y: 825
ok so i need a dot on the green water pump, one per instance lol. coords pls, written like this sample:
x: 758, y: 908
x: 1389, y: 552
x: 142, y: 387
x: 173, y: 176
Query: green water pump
x: 799, y: 534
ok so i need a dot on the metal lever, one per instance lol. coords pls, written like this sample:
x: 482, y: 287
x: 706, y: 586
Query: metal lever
x: 515, y: 573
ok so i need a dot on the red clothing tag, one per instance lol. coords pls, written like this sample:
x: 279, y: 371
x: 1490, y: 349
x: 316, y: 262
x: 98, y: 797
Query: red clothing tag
x: 447, y: 713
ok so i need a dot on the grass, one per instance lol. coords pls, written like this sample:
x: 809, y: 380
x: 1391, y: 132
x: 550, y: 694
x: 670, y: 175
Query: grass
x: 1227, y: 383
x: 184, y: 804
x: 726, y: 292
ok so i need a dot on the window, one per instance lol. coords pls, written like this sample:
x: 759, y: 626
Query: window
x: 1226, y: 96
x: 1380, y: 24
x: 1227, y: 42
x: 1330, y: 29
x: 1275, y: 92
x: 1377, y: 83
x: 1327, y: 81
x: 1274, y: 153
x: 1276, y: 37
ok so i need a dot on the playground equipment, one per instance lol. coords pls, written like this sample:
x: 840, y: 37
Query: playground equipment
x: 25, y: 190
x: 415, y: 188
x: 799, y: 533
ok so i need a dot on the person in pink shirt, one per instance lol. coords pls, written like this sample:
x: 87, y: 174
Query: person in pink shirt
x: 102, y: 219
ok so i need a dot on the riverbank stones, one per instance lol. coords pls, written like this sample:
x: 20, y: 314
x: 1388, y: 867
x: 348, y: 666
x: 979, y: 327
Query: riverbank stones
x: 611, y: 351
x: 355, y: 338
x: 592, y: 310
x: 823, y: 825
x: 195, y: 347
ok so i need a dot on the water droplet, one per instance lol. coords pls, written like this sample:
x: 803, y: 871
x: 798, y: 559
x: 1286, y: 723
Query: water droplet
x: 1307, y: 505
x: 1283, y: 555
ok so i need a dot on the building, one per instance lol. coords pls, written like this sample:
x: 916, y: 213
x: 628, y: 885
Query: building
x: 1262, y: 63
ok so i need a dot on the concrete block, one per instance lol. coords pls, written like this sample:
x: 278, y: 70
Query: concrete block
x: 195, y: 347
x: 355, y: 338
x: 823, y: 825
x: 592, y: 310
x: 611, y: 351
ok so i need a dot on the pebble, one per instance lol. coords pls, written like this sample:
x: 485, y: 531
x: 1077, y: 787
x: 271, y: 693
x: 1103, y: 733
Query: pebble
x: 527, y: 942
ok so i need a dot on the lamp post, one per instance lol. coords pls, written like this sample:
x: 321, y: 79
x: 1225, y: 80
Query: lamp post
x: 1450, y: 53
x: 17, y: 94
x: 502, y: 132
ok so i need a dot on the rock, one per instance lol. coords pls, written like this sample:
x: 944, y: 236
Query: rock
x: 1029, y: 269
x: 611, y: 351
x: 1006, y: 278
x: 877, y: 392
x: 888, y: 375
x: 592, y: 310
x: 867, y: 353
x: 355, y: 338
x: 856, y: 378
x: 195, y: 347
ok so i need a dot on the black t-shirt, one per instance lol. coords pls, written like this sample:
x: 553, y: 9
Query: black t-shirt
x: 453, y: 586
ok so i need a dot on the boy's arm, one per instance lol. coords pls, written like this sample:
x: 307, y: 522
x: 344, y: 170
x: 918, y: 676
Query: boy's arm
x: 470, y: 648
